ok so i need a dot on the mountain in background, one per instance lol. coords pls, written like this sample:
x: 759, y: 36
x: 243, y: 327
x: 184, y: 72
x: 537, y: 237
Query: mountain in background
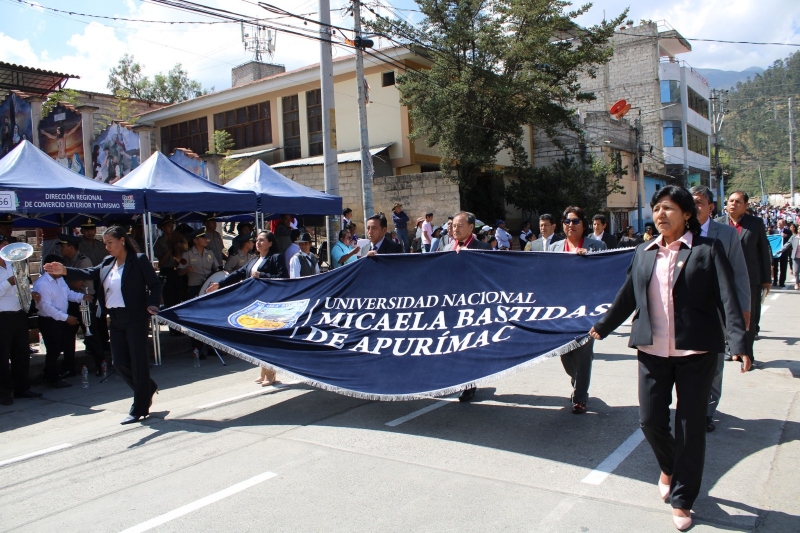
x: 726, y: 79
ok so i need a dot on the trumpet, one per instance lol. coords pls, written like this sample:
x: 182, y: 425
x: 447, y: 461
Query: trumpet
x: 17, y: 254
x: 86, y: 315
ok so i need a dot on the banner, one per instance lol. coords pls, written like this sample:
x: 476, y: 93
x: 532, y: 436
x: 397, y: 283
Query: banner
x: 409, y: 326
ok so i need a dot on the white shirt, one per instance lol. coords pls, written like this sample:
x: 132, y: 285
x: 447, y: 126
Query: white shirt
x: 503, y: 238
x: 9, y: 300
x: 55, y: 297
x: 294, y: 265
x: 113, y: 287
x: 427, y: 232
x: 289, y: 253
x: 704, y: 228
x: 257, y: 264
x: 376, y: 246
x: 596, y: 236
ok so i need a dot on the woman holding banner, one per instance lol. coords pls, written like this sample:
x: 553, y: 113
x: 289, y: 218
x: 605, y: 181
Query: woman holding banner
x: 578, y: 362
x: 676, y: 286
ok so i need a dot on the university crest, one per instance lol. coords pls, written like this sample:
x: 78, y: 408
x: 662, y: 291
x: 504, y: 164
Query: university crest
x: 264, y: 316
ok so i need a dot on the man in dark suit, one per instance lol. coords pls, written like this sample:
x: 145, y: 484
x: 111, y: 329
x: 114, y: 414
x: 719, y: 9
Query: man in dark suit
x: 464, y: 239
x: 378, y: 242
x: 757, y: 256
x: 547, y: 228
x: 599, y: 225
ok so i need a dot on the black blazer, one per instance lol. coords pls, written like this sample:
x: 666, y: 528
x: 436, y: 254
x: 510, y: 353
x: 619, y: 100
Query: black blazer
x: 388, y: 246
x: 273, y: 267
x: 701, y: 290
x: 610, y: 240
x: 138, y: 276
x: 755, y: 245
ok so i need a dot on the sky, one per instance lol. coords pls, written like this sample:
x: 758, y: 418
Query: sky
x: 90, y: 47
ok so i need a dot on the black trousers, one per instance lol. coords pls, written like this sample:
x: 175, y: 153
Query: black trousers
x: 755, y: 318
x: 172, y: 286
x: 93, y: 343
x: 56, y: 341
x: 682, y: 456
x: 192, y: 292
x: 130, y: 357
x: 578, y: 364
x: 780, y: 265
x: 14, y: 349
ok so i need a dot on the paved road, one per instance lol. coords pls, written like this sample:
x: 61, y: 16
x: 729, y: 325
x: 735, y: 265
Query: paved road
x: 221, y: 453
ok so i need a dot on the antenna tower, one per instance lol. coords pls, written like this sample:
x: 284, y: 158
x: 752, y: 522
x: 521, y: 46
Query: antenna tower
x: 258, y: 40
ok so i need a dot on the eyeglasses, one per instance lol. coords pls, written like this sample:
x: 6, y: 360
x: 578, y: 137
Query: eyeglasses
x: 573, y: 221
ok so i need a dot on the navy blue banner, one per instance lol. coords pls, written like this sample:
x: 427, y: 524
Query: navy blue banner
x: 401, y: 327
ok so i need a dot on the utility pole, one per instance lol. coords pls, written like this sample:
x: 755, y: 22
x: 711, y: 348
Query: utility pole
x: 366, y: 158
x: 640, y: 173
x: 717, y: 117
x: 791, y: 154
x: 328, y: 120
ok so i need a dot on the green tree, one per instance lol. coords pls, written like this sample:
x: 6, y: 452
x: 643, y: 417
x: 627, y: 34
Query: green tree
x: 127, y: 78
x: 123, y: 112
x: 223, y: 144
x: 498, y: 65
x: 59, y: 97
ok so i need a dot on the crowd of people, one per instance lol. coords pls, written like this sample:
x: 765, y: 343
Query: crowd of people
x: 694, y: 289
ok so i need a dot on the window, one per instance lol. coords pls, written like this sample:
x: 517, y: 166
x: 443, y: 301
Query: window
x: 192, y: 134
x: 670, y: 92
x: 388, y: 79
x: 314, y: 111
x: 697, y: 103
x: 291, y: 128
x: 698, y: 141
x: 673, y: 133
x: 249, y: 126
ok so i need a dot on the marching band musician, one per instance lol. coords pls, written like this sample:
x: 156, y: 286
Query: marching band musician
x: 215, y: 244
x: 56, y: 323
x: 243, y: 244
x: 168, y: 249
x: 91, y: 247
x: 13, y: 338
x: 73, y: 258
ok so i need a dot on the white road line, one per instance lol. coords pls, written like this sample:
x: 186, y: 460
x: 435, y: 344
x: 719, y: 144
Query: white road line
x: 775, y: 296
x: 764, y: 309
x: 599, y: 474
x: 208, y: 500
x: 34, y: 454
x: 415, y: 414
x: 551, y: 520
x: 264, y: 390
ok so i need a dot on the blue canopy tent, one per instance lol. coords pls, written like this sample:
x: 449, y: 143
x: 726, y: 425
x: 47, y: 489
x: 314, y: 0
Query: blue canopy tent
x: 41, y: 193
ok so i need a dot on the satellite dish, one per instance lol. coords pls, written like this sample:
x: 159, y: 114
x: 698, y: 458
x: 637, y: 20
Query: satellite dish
x: 617, y: 107
x: 622, y: 112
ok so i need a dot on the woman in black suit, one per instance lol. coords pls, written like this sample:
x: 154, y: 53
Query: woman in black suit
x: 262, y: 265
x: 131, y: 292
x: 677, y: 286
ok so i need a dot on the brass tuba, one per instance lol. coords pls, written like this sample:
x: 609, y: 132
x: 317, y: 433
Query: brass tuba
x: 17, y: 254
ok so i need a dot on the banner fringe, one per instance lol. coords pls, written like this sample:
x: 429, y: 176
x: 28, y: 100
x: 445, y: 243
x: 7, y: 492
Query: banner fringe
x: 561, y: 350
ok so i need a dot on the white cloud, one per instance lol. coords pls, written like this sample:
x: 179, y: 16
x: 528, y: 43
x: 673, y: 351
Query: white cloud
x: 19, y: 52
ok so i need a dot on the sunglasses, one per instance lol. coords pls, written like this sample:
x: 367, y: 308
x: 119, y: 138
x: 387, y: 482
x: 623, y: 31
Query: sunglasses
x: 573, y: 221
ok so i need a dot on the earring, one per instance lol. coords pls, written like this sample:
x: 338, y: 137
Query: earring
x: 687, y: 224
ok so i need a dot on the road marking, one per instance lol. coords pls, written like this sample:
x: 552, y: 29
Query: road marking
x: 264, y: 390
x: 551, y: 520
x: 208, y: 500
x: 415, y: 414
x: 599, y: 474
x: 34, y: 454
x: 764, y: 309
x: 775, y: 296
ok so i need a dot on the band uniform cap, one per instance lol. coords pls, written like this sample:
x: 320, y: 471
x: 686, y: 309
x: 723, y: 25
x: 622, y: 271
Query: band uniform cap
x: 305, y: 237
x: 6, y: 219
x: 166, y: 220
x: 241, y: 239
x: 88, y: 224
x: 198, y: 233
x: 63, y: 238
x: 210, y: 218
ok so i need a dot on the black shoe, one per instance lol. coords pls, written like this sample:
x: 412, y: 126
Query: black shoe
x: 155, y: 391
x: 130, y: 419
x: 728, y: 357
x: 60, y: 384
x: 710, y: 424
x: 467, y: 395
x: 27, y: 393
x: 6, y: 399
x: 578, y: 408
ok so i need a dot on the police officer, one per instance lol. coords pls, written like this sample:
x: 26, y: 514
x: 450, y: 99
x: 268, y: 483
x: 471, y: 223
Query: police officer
x: 198, y: 263
x: 168, y: 249
x: 91, y: 247
x: 72, y: 257
x: 243, y: 245
x: 215, y: 243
